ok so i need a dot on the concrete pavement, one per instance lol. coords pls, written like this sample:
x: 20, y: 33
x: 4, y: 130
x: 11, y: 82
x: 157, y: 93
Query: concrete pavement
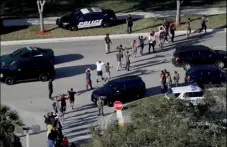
x: 31, y: 98
x: 122, y: 16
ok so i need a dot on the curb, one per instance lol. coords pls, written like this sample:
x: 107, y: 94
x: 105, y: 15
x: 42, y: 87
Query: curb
x: 90, y: 38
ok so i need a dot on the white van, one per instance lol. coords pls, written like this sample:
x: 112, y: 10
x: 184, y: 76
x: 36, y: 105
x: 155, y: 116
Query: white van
x: 193, y: 94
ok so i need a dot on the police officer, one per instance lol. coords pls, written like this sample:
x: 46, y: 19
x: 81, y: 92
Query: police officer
x: 107, y: 43
x: 50, y: 88
x: 100, y: 104
x: 129, y: 24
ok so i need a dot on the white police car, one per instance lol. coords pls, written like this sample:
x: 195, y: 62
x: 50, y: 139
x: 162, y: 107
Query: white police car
x: 87, y: 18
x: 192, y: 94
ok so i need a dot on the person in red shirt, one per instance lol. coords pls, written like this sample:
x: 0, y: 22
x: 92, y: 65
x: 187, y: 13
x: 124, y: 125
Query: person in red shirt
x: 65, y: 142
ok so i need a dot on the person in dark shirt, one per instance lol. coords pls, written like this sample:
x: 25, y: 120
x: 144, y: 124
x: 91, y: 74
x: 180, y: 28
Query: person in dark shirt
x: 172, y: 31
x: 71, y: 97
x: 63, y: 104
x: 107, y: 43
x: 88, y: 78
x: 129, y: 22
x: 119, y: 56
x: 204, y: 24
x: 50, y: 88
x: 141, y: 40
x: 166, y: 26
x: 127, y: 60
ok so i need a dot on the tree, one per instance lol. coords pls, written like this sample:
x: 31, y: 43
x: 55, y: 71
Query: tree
x: 178, y: 14
x: 40, y: 4
x: 8, y: 120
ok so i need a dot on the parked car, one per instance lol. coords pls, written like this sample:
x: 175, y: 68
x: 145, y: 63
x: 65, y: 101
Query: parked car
x: 87, y: 18
x: 189, y: 94
x: 123, y: 89
x: 205, y: 75
x: 198, y: 55
x: 28, y: 54
x: 24, y: 70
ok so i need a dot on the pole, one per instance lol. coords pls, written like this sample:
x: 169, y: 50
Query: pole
x: 27, y: 138
x: 120, y: 118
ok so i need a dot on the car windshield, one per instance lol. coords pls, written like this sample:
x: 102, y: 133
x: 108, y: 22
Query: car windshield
x: 77, y: 14
x: 22, y: 51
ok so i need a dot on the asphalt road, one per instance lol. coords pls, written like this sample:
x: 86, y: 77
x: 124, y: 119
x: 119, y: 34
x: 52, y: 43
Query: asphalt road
x: 31, y: 98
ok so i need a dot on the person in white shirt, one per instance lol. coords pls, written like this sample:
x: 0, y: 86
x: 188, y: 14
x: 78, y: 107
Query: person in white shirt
x: 151, y: 41
x: 99, y: 65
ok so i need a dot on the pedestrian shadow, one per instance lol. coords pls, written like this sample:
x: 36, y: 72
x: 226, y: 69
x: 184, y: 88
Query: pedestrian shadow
x: 84, y: 107
x: 67, y: 58
x: 64, y: 72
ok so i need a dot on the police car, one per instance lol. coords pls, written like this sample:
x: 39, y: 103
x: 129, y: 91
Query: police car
x: 191, y: 93
x: 87, y: 18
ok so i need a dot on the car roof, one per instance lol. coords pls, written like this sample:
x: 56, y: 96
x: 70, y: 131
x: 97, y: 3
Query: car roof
x: 183, y: 89
x: 191, y: 48
x: 203, y: 67
x: 90, y: 10
x: 125, y: 79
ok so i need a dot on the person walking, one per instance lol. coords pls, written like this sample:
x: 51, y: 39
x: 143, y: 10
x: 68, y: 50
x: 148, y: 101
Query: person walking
x: 162, y: 34
x: 88, y: 78
x: 119, y: 56
x: 166, y: 27
x: 107, y: 43
x: 65, y: 142
x: 141, y: 40
x: 71, y: 94
x: 176, y: 78
x: 163, y: 81
x: 100, y: 104
x: 134, y: 48
x: 50, y: 88
x: 63, y: 104
x: 151, y: 42
x: 172, y: 29
x: 54, y: 107
x: 204, y: 24
x: 127, y: 60
x: 188, y: 27
x: 168, y: 80
x: 51, y: 139
x: 99, y: 65
x: 129, y: 22
x: 107, y: 67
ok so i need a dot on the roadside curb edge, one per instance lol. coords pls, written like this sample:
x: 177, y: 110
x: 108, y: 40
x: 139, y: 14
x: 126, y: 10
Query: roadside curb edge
x: 86, y: 38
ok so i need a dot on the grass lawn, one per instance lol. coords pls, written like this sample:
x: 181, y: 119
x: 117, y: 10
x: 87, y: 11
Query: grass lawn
x: 143, y: 25
x: 28, y: 8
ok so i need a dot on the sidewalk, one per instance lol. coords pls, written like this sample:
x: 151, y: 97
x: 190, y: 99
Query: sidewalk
x: 121, y: 16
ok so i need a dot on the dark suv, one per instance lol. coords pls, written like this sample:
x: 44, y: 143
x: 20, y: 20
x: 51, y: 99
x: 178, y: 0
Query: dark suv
x: 204, y: 75
x: 22, y: 70
x: 198, y: 55
x: 123, y: 89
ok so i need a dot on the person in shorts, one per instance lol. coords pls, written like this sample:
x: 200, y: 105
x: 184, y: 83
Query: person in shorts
x: 99, y: 65
x: 71, y: 94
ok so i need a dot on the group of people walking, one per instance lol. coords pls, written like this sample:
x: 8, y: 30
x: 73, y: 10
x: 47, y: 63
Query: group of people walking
x: 55, y: 137
x: 166, y: 80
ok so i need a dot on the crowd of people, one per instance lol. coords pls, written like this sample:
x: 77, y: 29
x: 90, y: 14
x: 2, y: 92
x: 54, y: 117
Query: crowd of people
x: 55, y: 120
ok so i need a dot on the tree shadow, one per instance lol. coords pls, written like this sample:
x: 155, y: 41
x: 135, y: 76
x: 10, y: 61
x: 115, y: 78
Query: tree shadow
x: 84, y: 107
x: 67, y: 58
x: 7, y: 30
x: 64, y: 72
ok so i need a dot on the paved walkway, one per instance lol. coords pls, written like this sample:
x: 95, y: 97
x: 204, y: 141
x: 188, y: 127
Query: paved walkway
x: 135, y: 15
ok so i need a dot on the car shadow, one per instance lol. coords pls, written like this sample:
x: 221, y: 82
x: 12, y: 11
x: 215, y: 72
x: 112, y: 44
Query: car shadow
x: 64, y: 72
x: 67, y: 58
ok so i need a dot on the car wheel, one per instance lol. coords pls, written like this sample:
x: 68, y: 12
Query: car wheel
x: 72, y: 28
x: 105, y: 24
x: 187, y: 66
x: 220, y: 64
x: 43, y: 77
x: 9, y: 80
